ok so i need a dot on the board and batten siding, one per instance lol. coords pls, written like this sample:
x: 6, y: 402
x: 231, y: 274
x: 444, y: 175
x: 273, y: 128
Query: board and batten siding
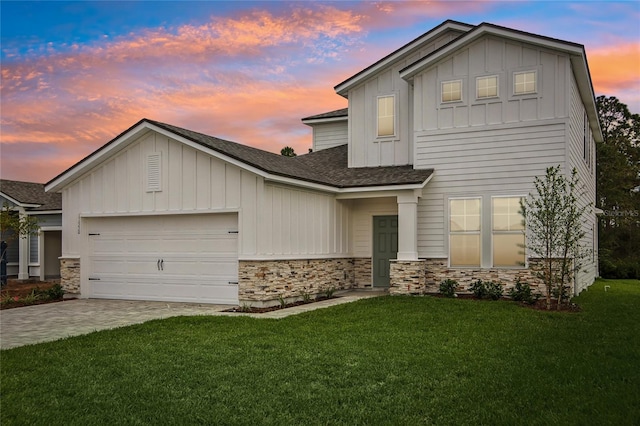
x: 490, y: 161
x: 191, y: 182
x: 300, y: 224
x: 487, y: 57
x: 585, y: 165
x: 329, y: 135
x: 366, y: 149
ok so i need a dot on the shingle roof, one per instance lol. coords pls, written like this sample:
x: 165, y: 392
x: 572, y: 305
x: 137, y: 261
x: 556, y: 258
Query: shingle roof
x: 31, y: 193
x: 343, y: 112
x: 326, y: 167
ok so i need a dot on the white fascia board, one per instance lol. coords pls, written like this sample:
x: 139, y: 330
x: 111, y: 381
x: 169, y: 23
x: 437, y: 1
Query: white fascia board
x: 343, y: 88
x: 32, y: 213
x: 18, y: 203
x: 96, y: 158
x: 325, y: 120
x: 585, y: 87
x: 483, y: 30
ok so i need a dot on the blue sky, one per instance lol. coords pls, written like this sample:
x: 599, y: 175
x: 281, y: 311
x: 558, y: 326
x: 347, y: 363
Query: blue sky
x: 75, y: 74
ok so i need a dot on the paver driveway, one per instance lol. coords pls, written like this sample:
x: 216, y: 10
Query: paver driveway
x: 53, y: 321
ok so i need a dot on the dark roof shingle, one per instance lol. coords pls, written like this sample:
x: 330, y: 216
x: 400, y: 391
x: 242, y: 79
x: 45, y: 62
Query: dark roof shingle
x: 31, y: 193
x: 326, y: 167
x: 344, y: 112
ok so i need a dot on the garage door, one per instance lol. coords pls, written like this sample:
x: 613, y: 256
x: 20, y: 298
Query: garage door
x: 185, y: 258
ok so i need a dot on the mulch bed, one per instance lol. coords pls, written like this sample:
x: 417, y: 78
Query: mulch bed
x: 539, y: 305
x: 253, y: 310
x: 21, y: 288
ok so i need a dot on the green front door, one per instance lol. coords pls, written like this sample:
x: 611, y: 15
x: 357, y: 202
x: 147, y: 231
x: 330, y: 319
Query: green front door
x: 385, y: 247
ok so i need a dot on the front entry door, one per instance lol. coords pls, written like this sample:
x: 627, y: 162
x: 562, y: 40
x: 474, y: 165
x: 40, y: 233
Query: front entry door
x: 385, y: 247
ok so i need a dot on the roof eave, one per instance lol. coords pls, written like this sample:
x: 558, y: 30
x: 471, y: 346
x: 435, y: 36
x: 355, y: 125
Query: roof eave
x: 324, y: 120
x: 344, y: 87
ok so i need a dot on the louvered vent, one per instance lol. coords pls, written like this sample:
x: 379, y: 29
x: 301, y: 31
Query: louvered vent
x: 154, y: 175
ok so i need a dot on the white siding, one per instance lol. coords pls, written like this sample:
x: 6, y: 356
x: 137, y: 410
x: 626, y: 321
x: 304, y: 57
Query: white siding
x: 586, y: 173
x: 329, y: 135
x: 362, y: 228
x: 296, y: 223
x: 192, y: 182
x: 491, y: 56
x: 365, y: 148
x: 493, y: 160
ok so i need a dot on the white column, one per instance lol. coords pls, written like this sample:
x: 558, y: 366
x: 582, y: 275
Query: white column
x: 23, y: 255
x: 408, y: 225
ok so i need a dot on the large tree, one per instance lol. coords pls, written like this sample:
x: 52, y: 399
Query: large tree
x: 618, y: 189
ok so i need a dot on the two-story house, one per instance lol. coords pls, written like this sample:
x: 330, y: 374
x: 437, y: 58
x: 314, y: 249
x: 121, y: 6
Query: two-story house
x: 418, y: 180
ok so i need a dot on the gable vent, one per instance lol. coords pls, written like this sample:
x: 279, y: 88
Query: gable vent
x: 154, y: 175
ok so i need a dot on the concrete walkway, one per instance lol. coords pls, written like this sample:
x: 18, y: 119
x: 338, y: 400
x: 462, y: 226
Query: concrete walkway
x: 53, y: 321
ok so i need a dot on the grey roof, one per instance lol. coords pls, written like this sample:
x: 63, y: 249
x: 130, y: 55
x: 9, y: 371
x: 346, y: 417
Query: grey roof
x: 343, y: 112
x: 31, y: 193
x: 326, y: 167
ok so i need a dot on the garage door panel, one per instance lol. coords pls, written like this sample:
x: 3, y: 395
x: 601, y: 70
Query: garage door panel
x: 198, y: 255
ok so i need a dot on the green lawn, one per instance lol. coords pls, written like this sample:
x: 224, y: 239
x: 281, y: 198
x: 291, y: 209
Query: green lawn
x: 387, y: 360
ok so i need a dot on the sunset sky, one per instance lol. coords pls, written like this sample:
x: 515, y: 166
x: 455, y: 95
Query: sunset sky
x: 76, y: 74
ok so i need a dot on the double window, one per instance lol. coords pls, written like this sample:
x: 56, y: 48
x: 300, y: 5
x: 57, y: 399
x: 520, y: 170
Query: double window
x: 505, y: 240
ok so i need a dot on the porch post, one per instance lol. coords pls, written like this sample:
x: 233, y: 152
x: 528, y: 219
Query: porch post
x: 23, y: 255
x: 408, y: 225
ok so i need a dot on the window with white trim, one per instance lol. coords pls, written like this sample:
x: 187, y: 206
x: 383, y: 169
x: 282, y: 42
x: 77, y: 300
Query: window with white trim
x: 507, y: 232
x: 524, y: 82
x: 451, y: 91
x: 487, y: 87
x: 464, y: 232
x: 386, y: 115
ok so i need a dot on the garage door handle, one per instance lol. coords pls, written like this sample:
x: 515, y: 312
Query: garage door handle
x: 158, y: 264
x: 162, y: 264
x: 94, y: 279
x: 233, y: 282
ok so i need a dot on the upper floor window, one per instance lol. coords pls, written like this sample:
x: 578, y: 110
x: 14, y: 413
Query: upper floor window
x: 487, y: 87
x: 464, y: 232
x: 451, y: 91
x: 386, y: 115
x: 524, y: 82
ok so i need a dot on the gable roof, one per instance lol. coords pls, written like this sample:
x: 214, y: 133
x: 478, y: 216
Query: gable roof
x: 336, y: 115
x: 343, y: 88
x: 575, y: 51
x: 29, y: 195
x: 328, y: 168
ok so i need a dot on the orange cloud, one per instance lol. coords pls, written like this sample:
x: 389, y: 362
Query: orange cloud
x: 615, y: 67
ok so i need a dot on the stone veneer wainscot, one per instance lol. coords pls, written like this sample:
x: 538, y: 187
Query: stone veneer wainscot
x: 264, y: 282
x: 70, y: 276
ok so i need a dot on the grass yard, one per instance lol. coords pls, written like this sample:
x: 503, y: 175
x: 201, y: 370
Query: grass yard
x: 388, y: 360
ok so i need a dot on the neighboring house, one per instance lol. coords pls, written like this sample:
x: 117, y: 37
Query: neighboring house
x: 418, y: 180
x: 38, y: 255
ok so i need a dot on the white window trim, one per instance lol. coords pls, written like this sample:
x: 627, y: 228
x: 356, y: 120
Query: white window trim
x: 442, y: 83
x: 395, y: 116
x: 497, y: 95
x: 449, y: 232
x: 513, y: 86
x: 526, y: 257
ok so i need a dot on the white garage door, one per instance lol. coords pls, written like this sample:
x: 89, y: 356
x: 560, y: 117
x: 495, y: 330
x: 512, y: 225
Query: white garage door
x: 181, y: 258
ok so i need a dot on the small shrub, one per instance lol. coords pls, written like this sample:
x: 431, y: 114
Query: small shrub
x: 246, y: 307
x: 448, y: 287
x: 282, y: 301
x: 56, y: 292
x: 478, y: 289
x: 522, y: 292
x: 494, y: 290
x: 329, y: 292
x: 306, y: 297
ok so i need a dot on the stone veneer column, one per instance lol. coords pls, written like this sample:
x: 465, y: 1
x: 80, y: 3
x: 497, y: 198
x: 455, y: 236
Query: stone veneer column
x: 70, y: 276
x: 407, y: 276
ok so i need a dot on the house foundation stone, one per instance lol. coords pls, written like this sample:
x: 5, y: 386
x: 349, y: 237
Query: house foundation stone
x: 363, y: 272
x: 407, y: 277
x: 70, y: 276
x: 267, y: 282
